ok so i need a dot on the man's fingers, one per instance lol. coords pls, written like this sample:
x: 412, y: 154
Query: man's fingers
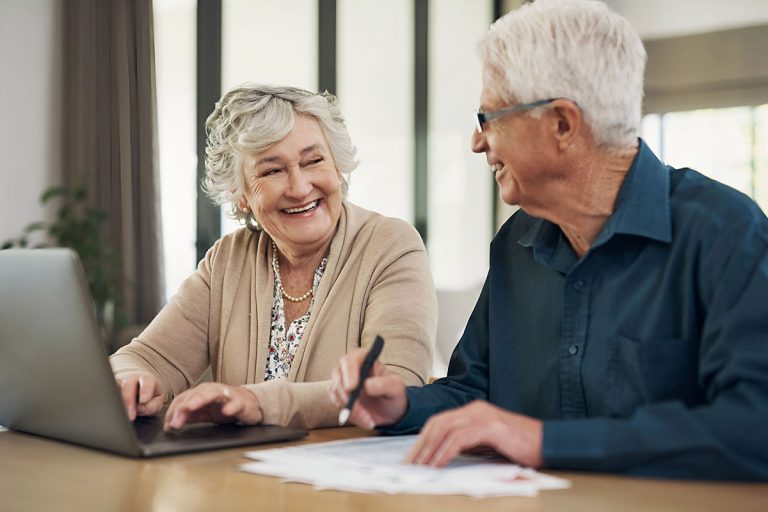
x: 434, y: 434
x: 336, y: 391
x: 349, y: 365
x: 378, y: 368
x: 345, y: 377
x: 384, y: 385
x: 362, y: 418
x: 455, y: 442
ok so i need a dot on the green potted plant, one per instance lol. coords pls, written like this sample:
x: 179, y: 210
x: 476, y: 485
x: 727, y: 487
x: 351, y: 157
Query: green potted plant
x: 78, y: 227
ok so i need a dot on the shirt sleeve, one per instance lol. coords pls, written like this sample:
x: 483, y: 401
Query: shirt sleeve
x: 725, y: 437
x: 467, y: 378
x: 174, y: 346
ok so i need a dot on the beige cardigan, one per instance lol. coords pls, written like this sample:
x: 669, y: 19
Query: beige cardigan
x: 377, y: 281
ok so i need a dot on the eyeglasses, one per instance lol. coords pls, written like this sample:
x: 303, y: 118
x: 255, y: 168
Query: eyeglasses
x: 483, y: 117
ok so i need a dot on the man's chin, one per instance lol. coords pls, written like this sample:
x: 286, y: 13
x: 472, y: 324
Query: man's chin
x: 510, y: 197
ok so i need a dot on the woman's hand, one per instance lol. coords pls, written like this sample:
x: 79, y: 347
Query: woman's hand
x: 213, y: 402
x: 141, y: 392
x: 382, y: 400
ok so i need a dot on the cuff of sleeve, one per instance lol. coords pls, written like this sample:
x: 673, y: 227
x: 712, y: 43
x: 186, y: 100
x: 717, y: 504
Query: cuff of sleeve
x: 295, y: 404
x: 575, y: 444
x: 412, y: 420
x: 270, y: 394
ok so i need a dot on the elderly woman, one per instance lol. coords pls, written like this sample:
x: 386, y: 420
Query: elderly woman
x: 272, y: 308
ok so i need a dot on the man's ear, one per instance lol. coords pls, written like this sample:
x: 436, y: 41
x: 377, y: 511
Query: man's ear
x: 569, y: 122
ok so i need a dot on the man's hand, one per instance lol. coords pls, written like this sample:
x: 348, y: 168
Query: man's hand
x: 213, y: 402
x: 382, y: 400
x: 142, y: 394
x: 478, y: 424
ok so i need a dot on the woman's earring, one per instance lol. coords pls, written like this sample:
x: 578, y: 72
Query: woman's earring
x: 251, y: 222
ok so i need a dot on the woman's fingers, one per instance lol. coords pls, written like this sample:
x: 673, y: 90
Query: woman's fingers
x: 128, y: 389
x: 148, y: 388
x: 141, y: 393
x: 152, y: 407
x: 213, y: 402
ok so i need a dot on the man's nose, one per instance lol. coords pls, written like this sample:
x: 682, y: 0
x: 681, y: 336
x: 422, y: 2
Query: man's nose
x: 478, y: 142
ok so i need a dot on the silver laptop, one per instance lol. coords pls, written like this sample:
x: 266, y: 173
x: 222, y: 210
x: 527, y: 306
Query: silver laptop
x: 55, y: 380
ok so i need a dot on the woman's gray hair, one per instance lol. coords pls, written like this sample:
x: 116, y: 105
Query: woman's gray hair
x: 575, y: 49
x: 252, y: 117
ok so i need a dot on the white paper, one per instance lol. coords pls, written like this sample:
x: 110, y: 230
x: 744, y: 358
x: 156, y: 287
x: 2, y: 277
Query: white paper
x: 375, y: 464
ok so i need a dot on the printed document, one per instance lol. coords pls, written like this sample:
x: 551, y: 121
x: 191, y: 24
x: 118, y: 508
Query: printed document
x: 375, y: 464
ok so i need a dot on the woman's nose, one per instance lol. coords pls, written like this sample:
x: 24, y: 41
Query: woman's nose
x: 299, y: 184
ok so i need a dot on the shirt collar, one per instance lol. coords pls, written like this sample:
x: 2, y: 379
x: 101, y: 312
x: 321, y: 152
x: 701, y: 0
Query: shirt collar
x: 642, y: 207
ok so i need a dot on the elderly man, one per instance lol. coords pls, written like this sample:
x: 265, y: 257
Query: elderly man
x: 623, y: 325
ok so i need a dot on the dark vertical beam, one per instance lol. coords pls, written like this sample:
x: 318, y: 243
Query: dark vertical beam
x: 420, y: 113
x: 208, y: 92
x: 497, y: 13
x: 753, y: 153
x: 326, y: 46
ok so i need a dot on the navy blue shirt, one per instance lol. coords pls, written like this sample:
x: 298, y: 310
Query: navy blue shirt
x: 647, y: 356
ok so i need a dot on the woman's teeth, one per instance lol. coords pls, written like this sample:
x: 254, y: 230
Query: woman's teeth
x: 302, y: 208
x: 496, y: 167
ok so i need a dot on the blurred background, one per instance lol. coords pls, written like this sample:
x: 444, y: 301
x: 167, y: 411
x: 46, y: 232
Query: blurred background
x: 113, y: 93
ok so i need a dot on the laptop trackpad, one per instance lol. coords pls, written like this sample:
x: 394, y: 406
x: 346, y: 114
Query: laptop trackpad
x: 206, y: 436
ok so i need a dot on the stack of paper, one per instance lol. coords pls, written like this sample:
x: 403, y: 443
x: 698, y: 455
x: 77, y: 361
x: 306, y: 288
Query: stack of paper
x: 374, y: 464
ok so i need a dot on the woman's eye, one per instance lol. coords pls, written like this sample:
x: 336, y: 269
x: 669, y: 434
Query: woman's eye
x: 270, y: 172
x: 316, y: 161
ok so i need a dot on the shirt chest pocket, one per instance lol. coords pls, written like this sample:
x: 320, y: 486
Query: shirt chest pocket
x: 647, y: 371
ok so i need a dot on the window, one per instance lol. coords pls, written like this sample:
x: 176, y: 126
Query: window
x: 269, y: 43
x: 277, y: 42
x: 375, y: 90
x: 460, y: 186
x: 175, y: 33
x: 726, y: 144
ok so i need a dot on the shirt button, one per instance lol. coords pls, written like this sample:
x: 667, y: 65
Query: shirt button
x: 578, y: 284
x: 573, y: 350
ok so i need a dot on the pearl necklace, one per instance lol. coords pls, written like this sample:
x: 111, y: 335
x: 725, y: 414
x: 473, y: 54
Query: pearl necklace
x: 300, y: 298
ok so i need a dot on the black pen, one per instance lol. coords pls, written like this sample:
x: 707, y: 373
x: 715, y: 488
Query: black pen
x: 365, y: 370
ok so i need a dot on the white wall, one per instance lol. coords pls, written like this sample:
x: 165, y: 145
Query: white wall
x: 30, y: 109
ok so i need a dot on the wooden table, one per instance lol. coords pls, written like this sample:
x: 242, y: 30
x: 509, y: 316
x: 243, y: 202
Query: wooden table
x: 41, y: 475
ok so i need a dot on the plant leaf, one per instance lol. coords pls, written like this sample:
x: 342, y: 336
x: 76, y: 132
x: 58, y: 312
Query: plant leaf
x: 35, y: 226
x: 53, y: 192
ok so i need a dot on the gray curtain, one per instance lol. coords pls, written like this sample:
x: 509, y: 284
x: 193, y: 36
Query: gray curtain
x: 110, y: 137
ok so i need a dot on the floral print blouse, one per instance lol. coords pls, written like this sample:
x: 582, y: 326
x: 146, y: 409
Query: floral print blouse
x: 284, y: 342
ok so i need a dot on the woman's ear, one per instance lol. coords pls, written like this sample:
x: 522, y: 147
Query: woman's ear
x: 242, y: 204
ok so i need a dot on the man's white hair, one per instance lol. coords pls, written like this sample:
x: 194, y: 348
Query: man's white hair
x: 575, y: 49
